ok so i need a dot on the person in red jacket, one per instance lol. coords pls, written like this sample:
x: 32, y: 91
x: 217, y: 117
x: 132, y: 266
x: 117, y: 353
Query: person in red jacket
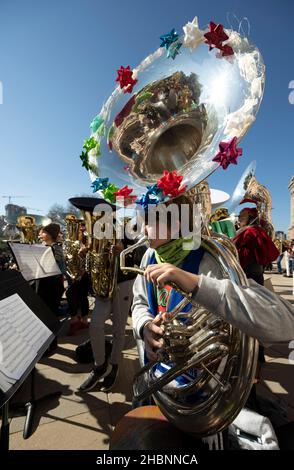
x: 255, y: 248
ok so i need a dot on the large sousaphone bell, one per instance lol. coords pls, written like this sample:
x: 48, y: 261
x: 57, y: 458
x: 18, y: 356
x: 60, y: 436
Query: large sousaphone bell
x: 176, y: 116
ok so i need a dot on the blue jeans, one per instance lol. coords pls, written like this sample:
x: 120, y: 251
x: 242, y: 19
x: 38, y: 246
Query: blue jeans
x: 279, y: 260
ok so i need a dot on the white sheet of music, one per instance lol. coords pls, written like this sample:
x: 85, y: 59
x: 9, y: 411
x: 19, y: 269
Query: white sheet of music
x: 22, y: 334
x: 34, y: 261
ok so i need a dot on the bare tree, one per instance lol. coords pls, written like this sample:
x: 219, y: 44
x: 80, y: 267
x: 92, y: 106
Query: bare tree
x: 57, y: 213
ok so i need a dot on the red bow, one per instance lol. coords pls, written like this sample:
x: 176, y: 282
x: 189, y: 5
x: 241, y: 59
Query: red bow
x: 125, y: 191
x: 170, y: 183
x: 125, y: 79
x: 215, y: 38
x: 228, y: 153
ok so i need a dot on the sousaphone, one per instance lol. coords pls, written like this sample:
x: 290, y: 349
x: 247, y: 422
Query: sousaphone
x: 182, y: 102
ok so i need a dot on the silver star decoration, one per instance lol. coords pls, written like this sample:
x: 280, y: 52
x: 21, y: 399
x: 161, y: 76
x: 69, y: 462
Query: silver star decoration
x: 193, y: 35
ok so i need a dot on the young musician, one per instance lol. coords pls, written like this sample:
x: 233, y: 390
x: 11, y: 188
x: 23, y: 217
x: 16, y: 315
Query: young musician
x: 254, y: 310
x: 51, y: 288
x: 105, y: 370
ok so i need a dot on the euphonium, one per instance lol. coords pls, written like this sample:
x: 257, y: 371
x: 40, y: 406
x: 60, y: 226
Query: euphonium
x: 27, y: 226
x: 258, y: 194
x: 74, y: 263
x: 100, y: 263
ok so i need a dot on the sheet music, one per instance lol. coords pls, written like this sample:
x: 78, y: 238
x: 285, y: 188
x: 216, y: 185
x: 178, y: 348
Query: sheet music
x: 35, y: 261
x: 22, y: 334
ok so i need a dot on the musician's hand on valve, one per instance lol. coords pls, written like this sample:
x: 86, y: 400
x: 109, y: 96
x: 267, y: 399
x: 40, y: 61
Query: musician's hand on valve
x: 165, y: 273
x: 152, y: 337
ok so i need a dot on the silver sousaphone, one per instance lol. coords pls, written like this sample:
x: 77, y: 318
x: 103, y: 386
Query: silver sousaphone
x: 175, y: 118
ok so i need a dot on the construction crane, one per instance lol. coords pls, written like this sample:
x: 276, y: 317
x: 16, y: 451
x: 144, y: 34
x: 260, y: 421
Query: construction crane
x: 12, y: 197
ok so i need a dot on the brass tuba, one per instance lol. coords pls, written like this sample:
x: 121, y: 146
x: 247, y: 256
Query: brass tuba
x: 100, y: 263
x: 177, y: 117
x: 28, y: 229
x: 258, y: 194
x: 75, y: 265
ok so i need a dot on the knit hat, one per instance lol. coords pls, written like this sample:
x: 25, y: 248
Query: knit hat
x: 53, y: 230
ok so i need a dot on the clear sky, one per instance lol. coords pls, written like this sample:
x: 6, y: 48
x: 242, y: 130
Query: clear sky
x: 58, y: 61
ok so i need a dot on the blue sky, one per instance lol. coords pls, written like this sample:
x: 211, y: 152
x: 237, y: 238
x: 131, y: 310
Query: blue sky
x: 58, y: 61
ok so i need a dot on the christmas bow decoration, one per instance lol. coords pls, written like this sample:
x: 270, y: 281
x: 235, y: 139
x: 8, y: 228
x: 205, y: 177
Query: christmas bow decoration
x: 125, y: 191
x: 145, y: 200
x: 90, y: 144
x: 215, y: 37
x: 125, y: 79
x: 99, y: 184
x: 173, y: 50
x: 168, y: 39
x: 96, y: 123
x: 108, y: 192
x: 193, y: 35
x: 170, y: 183
x: 228, y: 153
x: 154, y: 190
x: 85, y: 160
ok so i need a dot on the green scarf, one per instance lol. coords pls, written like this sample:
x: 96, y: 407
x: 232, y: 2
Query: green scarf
x: 172, y: 252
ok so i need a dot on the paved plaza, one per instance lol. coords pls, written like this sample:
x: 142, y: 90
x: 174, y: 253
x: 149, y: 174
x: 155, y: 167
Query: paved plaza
x: 76, y: 421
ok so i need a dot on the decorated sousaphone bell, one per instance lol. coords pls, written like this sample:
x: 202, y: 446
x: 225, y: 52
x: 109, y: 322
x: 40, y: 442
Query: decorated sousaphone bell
x: 184, y: 109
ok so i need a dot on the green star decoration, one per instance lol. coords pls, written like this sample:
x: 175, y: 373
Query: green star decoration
x: 108, y: 193
x: 90, y: 144
x: 85, y: 160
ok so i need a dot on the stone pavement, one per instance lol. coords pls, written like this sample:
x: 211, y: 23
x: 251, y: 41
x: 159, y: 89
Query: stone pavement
x: 76, y: 421
x: 277, y: 382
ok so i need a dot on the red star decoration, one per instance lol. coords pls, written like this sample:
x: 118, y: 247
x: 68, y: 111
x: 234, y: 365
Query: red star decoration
x: 227, y: 50
x: 170, y: 183
x: 215, y: 37
x: 125, y: 79
x: 228, y: 153
x: 125, y: 191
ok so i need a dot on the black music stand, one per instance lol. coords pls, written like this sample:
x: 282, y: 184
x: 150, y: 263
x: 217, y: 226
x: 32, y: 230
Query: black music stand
x: 12, y: 282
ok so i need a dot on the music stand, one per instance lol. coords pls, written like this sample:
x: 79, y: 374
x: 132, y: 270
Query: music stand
x: 34, y: 261
x: 12, y: 282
